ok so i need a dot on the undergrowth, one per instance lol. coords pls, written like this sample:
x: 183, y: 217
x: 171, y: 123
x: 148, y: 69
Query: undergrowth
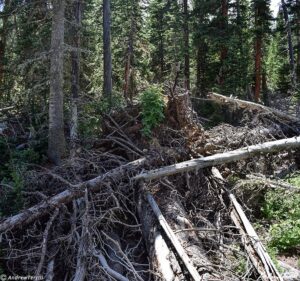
x: 282, y: 209
x: 12, y: 168
x: 152, y: 104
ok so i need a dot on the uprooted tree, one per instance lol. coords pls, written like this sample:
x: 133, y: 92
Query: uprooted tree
x: 162, y: 216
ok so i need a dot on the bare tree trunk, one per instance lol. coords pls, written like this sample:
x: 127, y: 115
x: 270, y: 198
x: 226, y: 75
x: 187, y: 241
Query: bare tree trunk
x: 298, y: 38
x: 75, y: 57
x: 107, y: 87
x: 258, y: 58
x: 201, y: 62
x: 56, y: 140
x: 223, y: 51
x: 3, y: 38
x: 290, y: 43
x: 129, y: 75
x: 186, y: 37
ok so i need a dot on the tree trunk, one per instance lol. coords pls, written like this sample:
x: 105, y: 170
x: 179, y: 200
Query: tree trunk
x: 75, y: 57
x: 129, y: 79
x: 258, y: 59
x: 107, y: 72
x: 3, y: 38
x: 162, y: 258
x: 298, y: 38
x: 223, y: 51
x: 221, y: 158
x: 290, y: 44
x: 265, y: 88
x: 186, y: 37
x: 56, y: 140
x: 201, y: 68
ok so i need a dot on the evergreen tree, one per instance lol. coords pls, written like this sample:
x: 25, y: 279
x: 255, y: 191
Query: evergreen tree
x: 262, y: 17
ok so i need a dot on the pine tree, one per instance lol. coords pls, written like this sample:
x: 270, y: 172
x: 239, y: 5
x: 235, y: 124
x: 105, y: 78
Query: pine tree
x: 262, y: 17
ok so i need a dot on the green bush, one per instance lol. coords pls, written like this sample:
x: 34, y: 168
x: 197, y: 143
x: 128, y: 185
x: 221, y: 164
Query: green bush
x: 91, y: 116
x: 286, y: 234
x: 283, y: 210
x: 152, y: 104
x: 11, y: 200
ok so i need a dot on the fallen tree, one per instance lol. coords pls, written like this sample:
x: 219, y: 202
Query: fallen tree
x: 255, y: 249
x: 221, y: 158
x: 252, y: 106
x: 93, y: 185
x: 73, y: 192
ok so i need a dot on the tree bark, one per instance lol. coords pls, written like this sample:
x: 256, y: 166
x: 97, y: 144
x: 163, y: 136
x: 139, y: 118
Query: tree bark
x: 56, y: 140
x: 3, y: 38
x: 107, y: 72
x: 253, y: 106
x: 201, y: 69
x: 258, y: 59
x: 298, y: 37
x: 129, y: 75
x: 186, y: 38
x: 290, y: 43
x: 65, y: 197
x: 221, y: 158
x: 224, y: 50
x: 75, y: 71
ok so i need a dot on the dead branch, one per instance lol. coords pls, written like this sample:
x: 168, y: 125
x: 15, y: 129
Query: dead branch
x: 273, y: 183
x: 83, y: 244
x: 45, y: 241
x: 107, y: 268
x: 50, y: 271
x: 6, y: 108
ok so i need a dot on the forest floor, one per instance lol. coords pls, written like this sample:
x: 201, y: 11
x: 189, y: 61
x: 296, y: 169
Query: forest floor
x: 102, y: 223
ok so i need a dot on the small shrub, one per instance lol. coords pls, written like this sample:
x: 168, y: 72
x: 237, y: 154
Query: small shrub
x: 91, y: 116
x: 286, y: 234
x: 152, y: 104
x: 284, y: 211
x: 11, y: 200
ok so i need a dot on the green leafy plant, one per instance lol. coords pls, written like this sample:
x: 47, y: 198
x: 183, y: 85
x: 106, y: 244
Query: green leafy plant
x: 284, y: 212
x: 152, y: 104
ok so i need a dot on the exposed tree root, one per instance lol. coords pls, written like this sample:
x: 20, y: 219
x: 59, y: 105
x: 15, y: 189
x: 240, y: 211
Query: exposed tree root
x: 177, y: 227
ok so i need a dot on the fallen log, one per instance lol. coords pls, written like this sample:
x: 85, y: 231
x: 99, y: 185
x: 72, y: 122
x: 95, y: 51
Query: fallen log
x: 93, y: 185
x: 176, y: 243
x: 74, y: 192
x: 162, y: 259
x: 221, y: 158
x: 255, y: 249
x: 251, y: 105
x: 270, y: 273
